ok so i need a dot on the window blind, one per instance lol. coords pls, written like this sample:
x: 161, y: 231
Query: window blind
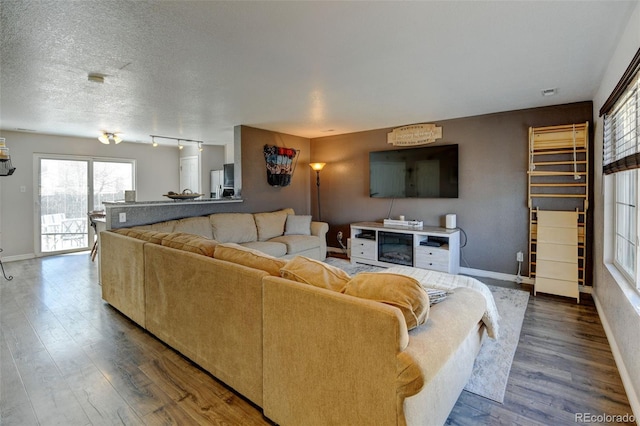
x: 621, y: 149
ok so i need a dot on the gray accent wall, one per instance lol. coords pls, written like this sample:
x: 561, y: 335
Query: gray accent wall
x: 257, y: 194
x: 492, y: 204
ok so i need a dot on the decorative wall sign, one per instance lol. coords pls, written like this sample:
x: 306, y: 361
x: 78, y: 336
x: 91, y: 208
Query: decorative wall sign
x: 281, y: 163
x: 415, y: 134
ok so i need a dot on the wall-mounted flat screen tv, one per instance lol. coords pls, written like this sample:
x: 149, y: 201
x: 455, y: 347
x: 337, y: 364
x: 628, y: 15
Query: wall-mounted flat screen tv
x: 422, y: 172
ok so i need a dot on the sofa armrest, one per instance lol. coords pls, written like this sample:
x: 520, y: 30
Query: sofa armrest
x: 320, y: 230
x: 329, y: 358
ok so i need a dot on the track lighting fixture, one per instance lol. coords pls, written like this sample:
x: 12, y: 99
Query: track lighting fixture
x: 179, y: 140
x: 107, y: 137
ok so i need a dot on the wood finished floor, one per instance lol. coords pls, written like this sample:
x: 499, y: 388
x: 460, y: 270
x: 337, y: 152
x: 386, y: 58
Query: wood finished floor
x: 68, y: 358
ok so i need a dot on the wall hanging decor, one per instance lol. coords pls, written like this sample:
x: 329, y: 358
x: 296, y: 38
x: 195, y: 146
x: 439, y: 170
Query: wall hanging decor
x: 281, y: 163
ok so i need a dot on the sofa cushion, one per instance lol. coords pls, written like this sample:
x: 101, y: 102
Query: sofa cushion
x: 298, y: 225
x: 233, y: 227
x: 400, y: 291
x: 166, y: 226
x: 190, y: 242
x: 310, y: 271
x: 274, y: 249
x: 270, y: 224
x: 142, y: 234
x: 199, y: 225
x: 297, y: 243
x: 236, y: 253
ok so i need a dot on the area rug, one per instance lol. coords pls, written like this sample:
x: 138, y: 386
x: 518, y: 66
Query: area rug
x: 493, y: 364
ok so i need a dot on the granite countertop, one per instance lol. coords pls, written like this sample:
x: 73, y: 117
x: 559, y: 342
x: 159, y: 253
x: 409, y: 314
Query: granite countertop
x: 171, y: 202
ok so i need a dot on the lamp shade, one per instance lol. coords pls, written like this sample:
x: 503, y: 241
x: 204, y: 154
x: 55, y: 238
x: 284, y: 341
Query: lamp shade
x: 317, y: 166
x: 104, y: 138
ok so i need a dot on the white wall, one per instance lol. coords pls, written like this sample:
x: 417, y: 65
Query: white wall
x: 212, y: 158
x: 157, y: 173
x: 228, y: 153
x: 618, y: 304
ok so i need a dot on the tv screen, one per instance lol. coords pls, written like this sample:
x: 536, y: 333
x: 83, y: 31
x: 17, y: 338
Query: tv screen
x: 424, y: 172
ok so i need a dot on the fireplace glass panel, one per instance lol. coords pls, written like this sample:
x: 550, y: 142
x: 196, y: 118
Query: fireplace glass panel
x: 395, y: 248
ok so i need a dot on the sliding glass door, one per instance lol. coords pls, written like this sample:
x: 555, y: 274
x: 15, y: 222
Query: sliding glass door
x: 63, y: 204
x: 70, y: 187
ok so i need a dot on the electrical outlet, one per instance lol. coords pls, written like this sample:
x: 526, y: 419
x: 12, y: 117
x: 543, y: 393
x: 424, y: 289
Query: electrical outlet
x: 520, y: 256
x: 123, y: 217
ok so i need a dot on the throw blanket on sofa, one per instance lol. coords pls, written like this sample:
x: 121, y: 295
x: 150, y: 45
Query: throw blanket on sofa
x: 444, y: 281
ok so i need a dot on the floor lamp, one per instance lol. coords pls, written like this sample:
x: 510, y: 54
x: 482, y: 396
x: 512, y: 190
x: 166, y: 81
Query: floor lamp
x: 317, y: 167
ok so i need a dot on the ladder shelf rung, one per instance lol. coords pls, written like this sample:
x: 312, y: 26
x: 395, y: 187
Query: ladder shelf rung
x: 557, y: 151
x: 550, y: 173
x: 557, y: 184
x: 541, y: 195
x: 558, y: 163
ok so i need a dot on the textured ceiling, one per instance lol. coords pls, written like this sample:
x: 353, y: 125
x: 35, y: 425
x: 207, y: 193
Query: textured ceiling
x: 196, y: 69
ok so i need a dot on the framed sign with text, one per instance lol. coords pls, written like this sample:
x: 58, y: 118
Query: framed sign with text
x: 414, y: 134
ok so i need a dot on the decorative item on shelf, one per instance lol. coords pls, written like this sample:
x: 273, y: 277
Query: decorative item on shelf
x: 6, y: 168
x: 187, y: 194
x: 450, y: 221
x: 401, y: 222
x: 318, y: 167
x: 107, y: 137
x: 281, y: 163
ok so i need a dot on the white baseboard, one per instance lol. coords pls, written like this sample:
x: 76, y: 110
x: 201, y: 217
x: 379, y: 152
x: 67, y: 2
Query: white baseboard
x: 632, y: 396
x: 7, y: 259
x: 495, y: 275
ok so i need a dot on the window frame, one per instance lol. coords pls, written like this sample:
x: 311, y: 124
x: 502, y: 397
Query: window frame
x: 621, y: 158
x: 630, y: 234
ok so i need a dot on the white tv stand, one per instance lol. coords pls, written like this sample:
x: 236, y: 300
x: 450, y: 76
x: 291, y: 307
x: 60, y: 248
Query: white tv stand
x: 373, y: 243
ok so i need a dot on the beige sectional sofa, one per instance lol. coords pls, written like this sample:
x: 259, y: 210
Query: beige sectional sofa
x: 280, y: 233
x: 304, y: 354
